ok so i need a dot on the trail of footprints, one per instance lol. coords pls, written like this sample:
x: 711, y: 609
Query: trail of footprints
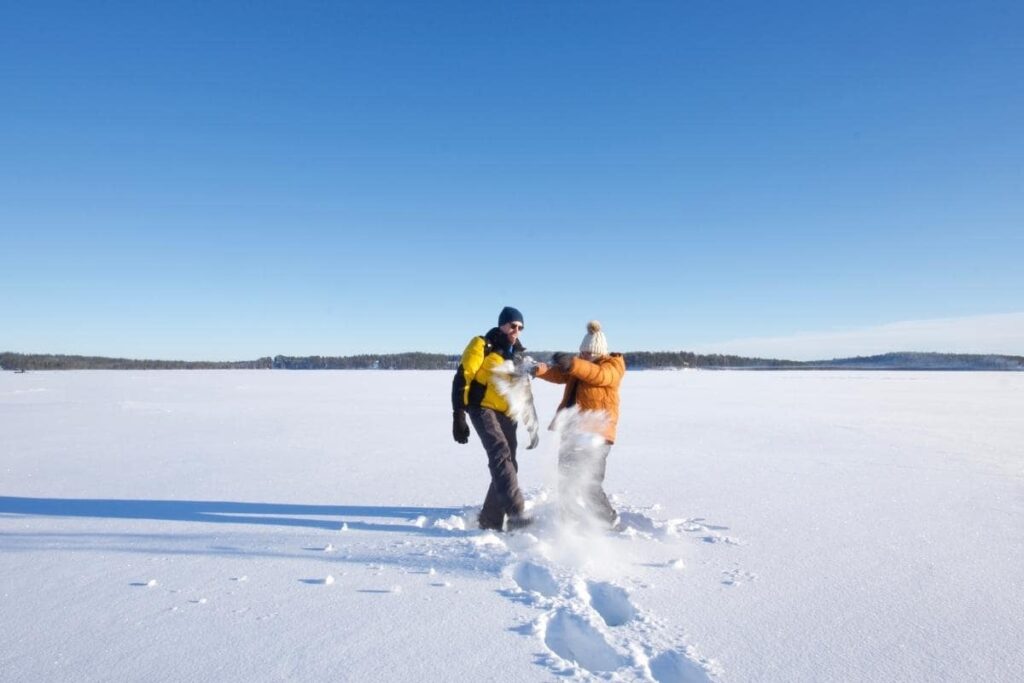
x: 593, y: 627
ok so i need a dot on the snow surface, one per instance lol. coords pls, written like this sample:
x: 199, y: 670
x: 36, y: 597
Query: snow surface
x: 268, y: 525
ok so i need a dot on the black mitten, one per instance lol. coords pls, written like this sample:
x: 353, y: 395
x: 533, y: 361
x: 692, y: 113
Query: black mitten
x: 563, y: 360
x: 460, y: 430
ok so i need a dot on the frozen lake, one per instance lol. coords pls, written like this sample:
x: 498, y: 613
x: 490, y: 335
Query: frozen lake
x: 272, y: 525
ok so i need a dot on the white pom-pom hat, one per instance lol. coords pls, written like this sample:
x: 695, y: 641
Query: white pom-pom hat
x: 594, y: 341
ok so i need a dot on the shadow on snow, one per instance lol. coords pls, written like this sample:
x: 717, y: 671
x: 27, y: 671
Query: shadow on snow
x: 226, y: 512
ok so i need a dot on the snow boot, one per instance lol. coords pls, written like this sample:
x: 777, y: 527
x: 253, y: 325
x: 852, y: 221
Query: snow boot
x: 515, y: 522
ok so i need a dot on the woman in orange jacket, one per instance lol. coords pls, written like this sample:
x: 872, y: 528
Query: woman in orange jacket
x: 591, y: 382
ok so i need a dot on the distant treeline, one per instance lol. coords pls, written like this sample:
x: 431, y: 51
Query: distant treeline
x: 391, y: 361
x: 36, y: 361
x: 658, y: 360
x: 922, y: 361
x: 397, y: 361
x: 636, y: 360
x: 640, y: 360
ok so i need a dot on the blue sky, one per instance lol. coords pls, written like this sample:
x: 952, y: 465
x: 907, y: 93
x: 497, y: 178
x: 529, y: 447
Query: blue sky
x: 231, y: 180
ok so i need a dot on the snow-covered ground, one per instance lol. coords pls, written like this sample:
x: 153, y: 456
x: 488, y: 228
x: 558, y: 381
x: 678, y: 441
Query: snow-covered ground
x: 268, y: 525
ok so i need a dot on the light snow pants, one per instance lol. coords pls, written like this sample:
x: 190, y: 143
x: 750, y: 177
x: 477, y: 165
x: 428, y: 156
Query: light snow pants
x: 580, y: 482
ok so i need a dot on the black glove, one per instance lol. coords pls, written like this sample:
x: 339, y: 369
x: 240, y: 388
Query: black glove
x: 563, y: 360
x: 460, y: 430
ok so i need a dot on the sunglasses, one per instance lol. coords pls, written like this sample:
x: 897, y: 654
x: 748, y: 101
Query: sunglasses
x: 516, y: 326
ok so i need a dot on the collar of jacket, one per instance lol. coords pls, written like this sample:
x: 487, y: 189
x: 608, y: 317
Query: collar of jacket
x: 498, y: 341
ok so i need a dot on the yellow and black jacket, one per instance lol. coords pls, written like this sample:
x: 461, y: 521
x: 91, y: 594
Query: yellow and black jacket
x: 472, y: 387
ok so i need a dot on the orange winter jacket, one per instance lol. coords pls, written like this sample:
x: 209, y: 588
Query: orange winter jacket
x: 592, y: 386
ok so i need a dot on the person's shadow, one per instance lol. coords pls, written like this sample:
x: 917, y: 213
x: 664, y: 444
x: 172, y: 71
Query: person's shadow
x: 406, y: 519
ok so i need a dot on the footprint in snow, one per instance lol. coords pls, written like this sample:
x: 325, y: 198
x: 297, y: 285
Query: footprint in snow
x: 534, y: 578
x: 611, y: 602
x: 673, y: 666
x: 574, y: 639
x: 591, y: 625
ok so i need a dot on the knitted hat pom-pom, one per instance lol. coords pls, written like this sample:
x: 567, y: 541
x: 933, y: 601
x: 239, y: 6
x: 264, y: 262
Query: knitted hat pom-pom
x: 593, y: 326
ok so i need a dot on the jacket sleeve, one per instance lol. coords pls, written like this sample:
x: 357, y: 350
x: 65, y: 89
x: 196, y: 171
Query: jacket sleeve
x: 595, y: 374
x: 554, y: 374
x: 472, y: 359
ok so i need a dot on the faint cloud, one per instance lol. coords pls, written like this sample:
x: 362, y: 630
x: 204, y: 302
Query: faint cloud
x: 1002, y: 334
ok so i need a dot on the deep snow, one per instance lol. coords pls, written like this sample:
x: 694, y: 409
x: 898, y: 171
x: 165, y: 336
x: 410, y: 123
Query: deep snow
x: 267, y: 525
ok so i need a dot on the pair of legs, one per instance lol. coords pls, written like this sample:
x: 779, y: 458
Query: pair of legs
x: 581, y: 470
x: 497, y: 431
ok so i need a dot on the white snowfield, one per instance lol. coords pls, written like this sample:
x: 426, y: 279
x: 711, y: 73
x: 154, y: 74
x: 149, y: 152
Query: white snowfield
x: 312, y: 526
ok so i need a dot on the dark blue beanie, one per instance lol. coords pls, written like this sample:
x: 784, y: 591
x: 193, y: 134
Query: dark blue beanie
x: 510, y: 315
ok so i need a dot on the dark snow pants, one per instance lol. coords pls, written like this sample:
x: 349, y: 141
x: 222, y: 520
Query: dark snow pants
x: 497, y: 431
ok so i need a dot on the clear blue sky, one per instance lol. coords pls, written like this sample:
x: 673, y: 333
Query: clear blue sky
x: 227, y: 180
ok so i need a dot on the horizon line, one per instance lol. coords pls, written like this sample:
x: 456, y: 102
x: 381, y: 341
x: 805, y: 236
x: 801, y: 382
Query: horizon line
x: 456, y: 355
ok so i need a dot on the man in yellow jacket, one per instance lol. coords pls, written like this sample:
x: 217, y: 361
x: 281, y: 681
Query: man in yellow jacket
x: 474, y: 392
x: 592, y: 384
